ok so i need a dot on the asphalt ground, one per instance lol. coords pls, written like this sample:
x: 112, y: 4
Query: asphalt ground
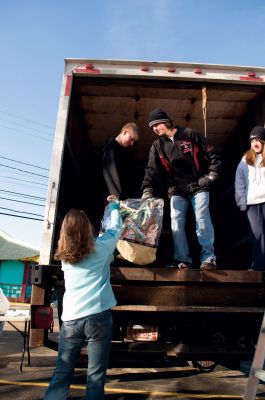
x: 123, y: 383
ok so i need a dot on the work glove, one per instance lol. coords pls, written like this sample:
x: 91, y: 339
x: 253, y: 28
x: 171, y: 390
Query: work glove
x: 112, y: 198
x: 192, y: 187
x: 206, y: 180
x: 147, y: 194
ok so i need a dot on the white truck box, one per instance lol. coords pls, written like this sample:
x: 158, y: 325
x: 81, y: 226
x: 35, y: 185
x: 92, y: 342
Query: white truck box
x: 97, y: 98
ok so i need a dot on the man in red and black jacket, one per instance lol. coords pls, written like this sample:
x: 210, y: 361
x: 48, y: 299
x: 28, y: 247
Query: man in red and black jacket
x: 188, y: 165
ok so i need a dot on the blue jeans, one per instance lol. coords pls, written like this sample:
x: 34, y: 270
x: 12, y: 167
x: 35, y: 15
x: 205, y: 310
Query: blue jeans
x: 97, y: 330
x: 204, y: 227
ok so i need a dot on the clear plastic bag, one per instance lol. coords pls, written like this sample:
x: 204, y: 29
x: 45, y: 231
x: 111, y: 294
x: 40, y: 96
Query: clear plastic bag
x: 141, y: 228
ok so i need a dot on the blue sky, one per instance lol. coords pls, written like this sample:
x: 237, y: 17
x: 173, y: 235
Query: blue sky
x: 37, y: 35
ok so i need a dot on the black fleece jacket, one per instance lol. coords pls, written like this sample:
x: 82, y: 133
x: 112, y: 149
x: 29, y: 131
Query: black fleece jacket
x: 180, y: 162
x: 117, y: 169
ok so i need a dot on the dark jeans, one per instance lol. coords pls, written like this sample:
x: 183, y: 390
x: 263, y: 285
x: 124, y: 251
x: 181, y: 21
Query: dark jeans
x: 256, y: 217
x: 97, y: 330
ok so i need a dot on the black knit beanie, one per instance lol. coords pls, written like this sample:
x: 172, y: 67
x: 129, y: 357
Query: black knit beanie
x: 158, y: 116
x: 257, y: 133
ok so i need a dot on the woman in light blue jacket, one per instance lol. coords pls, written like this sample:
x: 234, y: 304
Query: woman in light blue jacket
x: 250, y: 193
x: 87, y: 301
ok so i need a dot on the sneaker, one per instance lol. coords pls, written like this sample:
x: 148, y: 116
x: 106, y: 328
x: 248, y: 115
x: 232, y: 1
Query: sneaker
x: 208, y: 264
x: 181, y: 264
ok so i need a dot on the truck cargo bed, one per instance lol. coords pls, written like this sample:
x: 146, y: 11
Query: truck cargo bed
x: 172, y: 287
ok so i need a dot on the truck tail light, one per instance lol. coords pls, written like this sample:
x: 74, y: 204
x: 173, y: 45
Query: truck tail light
x: 43, y: 317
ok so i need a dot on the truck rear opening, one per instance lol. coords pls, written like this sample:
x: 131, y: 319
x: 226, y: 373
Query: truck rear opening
x: 97, y: 99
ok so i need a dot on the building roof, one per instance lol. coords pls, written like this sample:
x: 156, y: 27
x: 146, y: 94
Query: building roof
x: 14, y: 249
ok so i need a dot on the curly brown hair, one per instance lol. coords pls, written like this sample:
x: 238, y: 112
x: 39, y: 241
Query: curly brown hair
x: 76, y: 237
x: 250, y: 156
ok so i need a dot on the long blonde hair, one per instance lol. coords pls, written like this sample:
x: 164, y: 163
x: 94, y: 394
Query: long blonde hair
x: 76, y: 237
x: 250, y: 156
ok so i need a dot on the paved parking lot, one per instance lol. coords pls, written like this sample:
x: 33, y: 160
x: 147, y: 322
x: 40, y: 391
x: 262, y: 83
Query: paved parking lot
x: 123, y: 383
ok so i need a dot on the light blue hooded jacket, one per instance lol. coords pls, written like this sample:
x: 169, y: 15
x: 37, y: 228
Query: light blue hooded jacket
x: 87, y: 283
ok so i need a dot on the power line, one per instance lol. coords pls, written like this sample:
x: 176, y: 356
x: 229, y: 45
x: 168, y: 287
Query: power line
x: 22, y: 170
x: 26, y: 127
x: 21, y: 162
x: 21, y: 216
x: 21, y: 201
x: 25, y: 186
x: 23, y: 180
x: 26, y: 119
x: 19, y: 211
x: 22, y: 195
x: 26, y: 134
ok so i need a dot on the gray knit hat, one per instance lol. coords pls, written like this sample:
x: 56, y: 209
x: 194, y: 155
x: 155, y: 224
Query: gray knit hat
x: 158, y: 116
x: 257, y: 133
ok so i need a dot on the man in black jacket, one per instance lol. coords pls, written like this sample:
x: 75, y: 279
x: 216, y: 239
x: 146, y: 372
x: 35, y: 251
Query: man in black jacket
x: 117, y: 162
x: 189, y: 166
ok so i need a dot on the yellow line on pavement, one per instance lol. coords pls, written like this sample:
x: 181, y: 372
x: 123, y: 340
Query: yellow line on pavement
x: 175, y: 395
x: 38, y: 384
x: 132, y: 391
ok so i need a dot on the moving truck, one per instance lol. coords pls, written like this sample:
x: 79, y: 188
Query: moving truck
x: 163, y: 311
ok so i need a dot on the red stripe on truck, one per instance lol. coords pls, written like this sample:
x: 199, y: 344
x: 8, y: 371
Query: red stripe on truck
x: 87, y: 70
x: 250, y: 78
x: 68, y: 85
